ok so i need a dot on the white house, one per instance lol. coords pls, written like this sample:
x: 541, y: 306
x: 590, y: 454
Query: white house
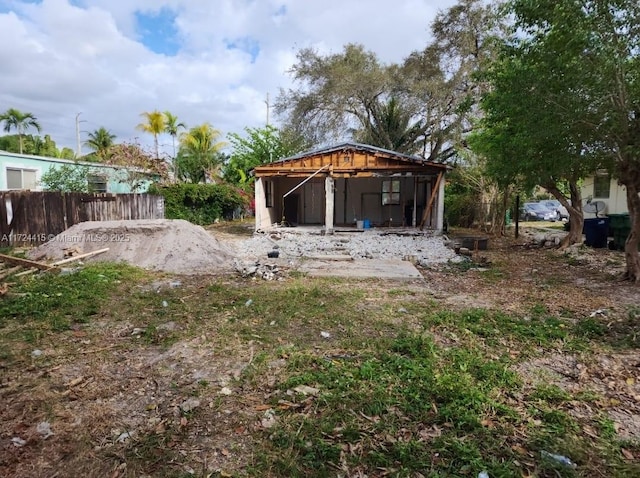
x: 604, y: 188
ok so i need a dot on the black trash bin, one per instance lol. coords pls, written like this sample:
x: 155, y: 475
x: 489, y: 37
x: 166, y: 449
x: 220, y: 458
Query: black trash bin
x: 596, y: 232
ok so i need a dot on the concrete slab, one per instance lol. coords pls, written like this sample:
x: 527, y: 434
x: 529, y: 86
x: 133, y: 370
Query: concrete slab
x: 361, y: 268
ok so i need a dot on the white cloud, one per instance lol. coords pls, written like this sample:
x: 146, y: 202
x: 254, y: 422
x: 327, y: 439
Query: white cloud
x: 60, y: 58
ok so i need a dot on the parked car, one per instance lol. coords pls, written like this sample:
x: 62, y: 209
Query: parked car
x: 535, y: 211
x: 555, y: 205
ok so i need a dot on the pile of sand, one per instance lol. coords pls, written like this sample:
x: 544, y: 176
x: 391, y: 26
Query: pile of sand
x: 158, y: 244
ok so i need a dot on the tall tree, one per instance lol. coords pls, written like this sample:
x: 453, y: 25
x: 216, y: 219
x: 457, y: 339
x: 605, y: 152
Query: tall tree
x: 199, y: 157
x: 430, y: 95
x: 19, y: 121
x: 566, y: 100
x: 441, y: 80
x: 172, y: 128
x: 154, y: 124
x: 335, y: 93
x: 101, y: 141
x: 392, y: 126
x: 258, y: 146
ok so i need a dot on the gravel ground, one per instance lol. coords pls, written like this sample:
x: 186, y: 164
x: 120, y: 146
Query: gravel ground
x: 181, y: 247
x: 370, y: 244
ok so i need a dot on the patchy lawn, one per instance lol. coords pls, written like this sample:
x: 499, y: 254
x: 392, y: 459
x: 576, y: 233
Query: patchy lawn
x: 501, y: 366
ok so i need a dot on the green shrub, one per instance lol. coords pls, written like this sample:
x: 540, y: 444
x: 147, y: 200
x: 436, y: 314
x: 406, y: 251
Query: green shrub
x: 200, y: 203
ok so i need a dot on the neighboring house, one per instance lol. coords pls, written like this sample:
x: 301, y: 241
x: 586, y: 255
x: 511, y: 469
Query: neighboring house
x: 343, y: 184
x: 602, y: 187
x: 23, y: 171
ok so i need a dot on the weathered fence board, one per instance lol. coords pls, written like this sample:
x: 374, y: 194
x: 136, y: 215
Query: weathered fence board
x: 28, y: 217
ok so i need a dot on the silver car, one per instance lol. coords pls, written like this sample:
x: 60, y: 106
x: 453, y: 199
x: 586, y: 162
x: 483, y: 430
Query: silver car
x: 535, y: 211
x: 555, y: 205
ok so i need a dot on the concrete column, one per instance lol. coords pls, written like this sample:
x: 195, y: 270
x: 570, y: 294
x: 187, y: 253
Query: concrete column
x: 440, y: 214
x: 329, y: 203
x: 263, y: 219
x: 414, y: 215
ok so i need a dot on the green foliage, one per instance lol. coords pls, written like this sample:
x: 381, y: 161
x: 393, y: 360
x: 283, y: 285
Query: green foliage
x: 34, y: 145
x: 55, y: 301
x: 20, y: 122
x: 259, y: 146
x: 154, y: 124
x: 419, y: 106
x: 392, y: 126
x: 413, y: 387
x: 101, y: 141
x: 460, y: 200
x: 10, y: 142
x: 564, y: 98
x: 200, y: 203
x: 172, y: 128
x: 200, y: 158
x: 66, y: 178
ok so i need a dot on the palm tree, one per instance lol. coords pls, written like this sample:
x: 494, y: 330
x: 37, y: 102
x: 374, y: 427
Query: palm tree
x: 391, y: 126
x: 101, y: 141
x: 15, y: 119
x: 155, y: 124
x: 199, y: 157
x: 172, y: 127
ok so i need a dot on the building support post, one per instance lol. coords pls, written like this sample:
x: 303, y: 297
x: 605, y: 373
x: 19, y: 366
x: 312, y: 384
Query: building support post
x: 263, y: 219
x: 440, y: 213
x: 329, y: 204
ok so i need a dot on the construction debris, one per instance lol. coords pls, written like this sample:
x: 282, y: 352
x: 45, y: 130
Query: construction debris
x: 74, y: 258
x: 266, y: 271
x: 18, y: 261
x: 20, y: 267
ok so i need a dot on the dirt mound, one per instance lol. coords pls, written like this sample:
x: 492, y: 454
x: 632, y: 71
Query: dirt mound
x: 158, y: 244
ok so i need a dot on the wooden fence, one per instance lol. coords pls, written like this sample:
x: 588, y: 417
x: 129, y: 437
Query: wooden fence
x: 33, y: 217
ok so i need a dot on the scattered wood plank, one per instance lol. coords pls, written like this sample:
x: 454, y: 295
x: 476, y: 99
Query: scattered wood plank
x: 434, y: 193
x: 81, y: 256
x: 8, y: 272
x: 27, y: 272
x: 18, y: 261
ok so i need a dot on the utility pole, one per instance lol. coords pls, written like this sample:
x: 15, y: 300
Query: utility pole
x: 267, y: 102
x: 78, y: 144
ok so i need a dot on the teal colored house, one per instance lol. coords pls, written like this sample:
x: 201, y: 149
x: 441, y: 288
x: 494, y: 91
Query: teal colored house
x: 24, y: 172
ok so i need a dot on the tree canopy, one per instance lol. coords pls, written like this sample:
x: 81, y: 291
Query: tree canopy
x: 154, y: 124
x: 101, y: 141
x: 199, y: 157
x: 258, y: 146
x: 20, y: 122
x: 564, y: 100
x: 419, y: 106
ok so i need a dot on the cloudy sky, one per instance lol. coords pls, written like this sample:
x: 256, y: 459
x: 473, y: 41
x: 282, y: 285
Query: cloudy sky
x: 203, y: 60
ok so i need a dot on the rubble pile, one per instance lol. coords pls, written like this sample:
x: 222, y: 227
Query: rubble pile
x: 260, y: 270
x: 370, y: 244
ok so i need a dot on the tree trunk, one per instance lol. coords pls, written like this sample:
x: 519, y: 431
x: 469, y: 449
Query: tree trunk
x: 155, y: 141
x: 20, y: 140
x: 631, y: 245
x: 576, y: 215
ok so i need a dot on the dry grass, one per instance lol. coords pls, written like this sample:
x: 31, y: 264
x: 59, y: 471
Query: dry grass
x: 143, y: 376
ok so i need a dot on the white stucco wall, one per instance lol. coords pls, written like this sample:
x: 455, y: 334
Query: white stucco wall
x: 616, y: 203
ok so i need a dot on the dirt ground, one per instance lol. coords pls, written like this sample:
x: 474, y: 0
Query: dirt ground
x: 96, y: 386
